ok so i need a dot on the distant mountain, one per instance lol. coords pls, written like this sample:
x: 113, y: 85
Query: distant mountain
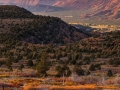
x: 108, y: 8
x: 35, y: 5
x: 29, y: 2
x: 100, y: 7
x: 20, y: 2
x: 98, y: 4
x: 35, y: 2
x: 73, y: 4
x: 44, y: 8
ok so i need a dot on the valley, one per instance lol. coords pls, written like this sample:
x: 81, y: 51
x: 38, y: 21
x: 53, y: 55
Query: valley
x: 81, y: 16
x: 42, y: 51
x: 78, y: 18
x: 96, y: 27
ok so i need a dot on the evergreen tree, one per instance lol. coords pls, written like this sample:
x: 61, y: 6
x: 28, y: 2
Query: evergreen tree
x: 9, y: 61
x: 43, y: 65
x: 21, y: 67
x: 78, y: 70
x: 30, y: 63
x: 10, y: 68
x: 92, y: 67
x: 88, y: 73
x: 64, y: 70
x: 109, y: 73
x: 98, y: 66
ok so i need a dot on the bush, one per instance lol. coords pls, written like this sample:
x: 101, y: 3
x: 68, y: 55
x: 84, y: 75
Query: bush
x: 109, y: 73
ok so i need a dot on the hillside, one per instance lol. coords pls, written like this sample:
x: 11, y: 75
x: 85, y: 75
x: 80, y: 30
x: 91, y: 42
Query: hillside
x: 88, y: 56
x: 8, y: 11
x: 23, y: 39
x: 36, y: 29
x: 40, y: 46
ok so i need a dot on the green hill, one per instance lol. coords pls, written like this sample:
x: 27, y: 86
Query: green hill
x: 36, y: 29
x: 24, y: 36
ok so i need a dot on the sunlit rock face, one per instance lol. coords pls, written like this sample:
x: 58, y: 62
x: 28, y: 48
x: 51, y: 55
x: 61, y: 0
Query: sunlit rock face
x: 107, y: 4
x: 77, y: 4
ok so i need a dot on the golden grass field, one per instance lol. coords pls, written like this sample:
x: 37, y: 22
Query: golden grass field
x: 78, y: 87
x: 30, y: 83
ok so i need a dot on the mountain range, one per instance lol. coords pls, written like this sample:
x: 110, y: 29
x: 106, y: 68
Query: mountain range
x: 109, y: 8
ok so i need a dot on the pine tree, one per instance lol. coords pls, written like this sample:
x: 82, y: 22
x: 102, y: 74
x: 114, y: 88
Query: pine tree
x: 21, y: 67
x: 78, y: 70
x: 30, y: 63
x: 63, y: 70
x: 92, y: 67
x: 109, y: 73
x: 43, y: 65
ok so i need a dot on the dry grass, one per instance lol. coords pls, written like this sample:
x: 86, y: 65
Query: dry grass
x: 10, y: 88
x: 78, y: 87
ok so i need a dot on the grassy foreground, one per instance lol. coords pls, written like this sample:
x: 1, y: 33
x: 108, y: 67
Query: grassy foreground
x: 78, y: 87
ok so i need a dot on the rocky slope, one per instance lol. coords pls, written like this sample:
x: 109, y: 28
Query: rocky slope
x: 108, y: 8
